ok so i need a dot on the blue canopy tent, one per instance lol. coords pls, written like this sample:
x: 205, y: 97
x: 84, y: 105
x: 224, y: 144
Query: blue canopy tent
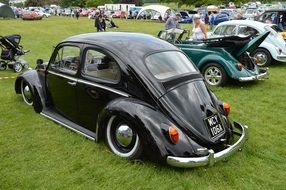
x: 6, y: 11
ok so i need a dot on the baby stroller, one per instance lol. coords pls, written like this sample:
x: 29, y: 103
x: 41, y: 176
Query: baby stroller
x: 11, y: 52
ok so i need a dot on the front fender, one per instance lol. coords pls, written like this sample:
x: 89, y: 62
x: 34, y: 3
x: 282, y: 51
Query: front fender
x: 36, y: 82
x: 151, y: 125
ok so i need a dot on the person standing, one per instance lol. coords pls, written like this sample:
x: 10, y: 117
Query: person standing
x: 212, y: 19
x: 199, y: 30
x: 97, y: 22
x: 77, y: 14
x: 173, y: 22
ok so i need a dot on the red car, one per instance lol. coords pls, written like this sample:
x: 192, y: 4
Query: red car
x: 119, y: 14
x: 31, y: 15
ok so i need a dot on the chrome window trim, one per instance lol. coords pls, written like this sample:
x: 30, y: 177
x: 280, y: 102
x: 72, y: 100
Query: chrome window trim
x: 104, y: 87
x: 63, y: 76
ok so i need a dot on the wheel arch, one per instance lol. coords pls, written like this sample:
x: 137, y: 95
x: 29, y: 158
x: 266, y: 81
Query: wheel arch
x: 33, y: 79
x: 270, y: 48
x: 150, y: 124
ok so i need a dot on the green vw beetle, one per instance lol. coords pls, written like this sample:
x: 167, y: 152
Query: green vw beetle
x: 221, y: 59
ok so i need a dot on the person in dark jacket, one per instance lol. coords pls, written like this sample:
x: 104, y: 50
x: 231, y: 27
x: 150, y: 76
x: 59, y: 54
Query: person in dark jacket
x: 97, y: 23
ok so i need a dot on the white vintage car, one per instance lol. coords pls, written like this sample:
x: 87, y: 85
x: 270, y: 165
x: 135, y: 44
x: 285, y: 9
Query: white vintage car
x: 272, y: 49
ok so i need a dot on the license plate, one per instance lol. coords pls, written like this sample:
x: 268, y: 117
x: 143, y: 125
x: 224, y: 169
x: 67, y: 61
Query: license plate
x: 215, y: 126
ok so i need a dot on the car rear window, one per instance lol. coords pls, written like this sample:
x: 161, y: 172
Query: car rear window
x: 165, y: 65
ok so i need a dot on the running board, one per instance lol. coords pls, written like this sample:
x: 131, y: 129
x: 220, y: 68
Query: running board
x: 68, y: 124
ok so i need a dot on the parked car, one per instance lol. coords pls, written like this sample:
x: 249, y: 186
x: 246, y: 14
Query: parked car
x: 220, y: 59
x: 116, y: 14
x: 140, y: 94
x: 221, y: 18
x: 31, y: 15
x: 274, y: 16
x: 185, y: 17
x: 250, y: 14
x: 272, y: 49
x: 278, y: 30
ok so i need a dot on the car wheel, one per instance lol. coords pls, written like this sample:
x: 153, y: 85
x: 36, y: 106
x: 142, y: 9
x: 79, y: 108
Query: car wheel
x: 263, y: 56
x: 3, y: 65
x: 122, y: 139
x: 18, y: 67
x: 214, y: 74
x: 27, y: 93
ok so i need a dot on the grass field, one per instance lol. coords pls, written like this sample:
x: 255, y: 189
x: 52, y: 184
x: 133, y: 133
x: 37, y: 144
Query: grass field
x: 36, y: 153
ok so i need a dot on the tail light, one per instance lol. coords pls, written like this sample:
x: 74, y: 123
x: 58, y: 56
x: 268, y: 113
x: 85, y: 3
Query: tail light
x: 174, y: 135
x: 240, y: 66
x: 226, y: 108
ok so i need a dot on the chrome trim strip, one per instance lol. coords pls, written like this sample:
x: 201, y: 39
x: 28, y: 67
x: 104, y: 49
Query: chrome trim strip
x: 104, y: 87
x: 63, y: 76
x: 212, y: 157
x: 61, y: 123
x: 281, y: 57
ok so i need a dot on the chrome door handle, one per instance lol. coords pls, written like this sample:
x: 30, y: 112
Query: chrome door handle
x: 71, y: 83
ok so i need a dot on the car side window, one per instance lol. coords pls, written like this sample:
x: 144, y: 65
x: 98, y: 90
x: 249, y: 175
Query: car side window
x: 228, y: 30
x: 246, y: 30
x: 100, y: 65
x: 217, y: 31
x: 67, y: 59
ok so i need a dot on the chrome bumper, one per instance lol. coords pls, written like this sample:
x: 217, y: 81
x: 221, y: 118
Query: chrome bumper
x: 212, y: 157
x: 261, y: 76
x: 281, y: 58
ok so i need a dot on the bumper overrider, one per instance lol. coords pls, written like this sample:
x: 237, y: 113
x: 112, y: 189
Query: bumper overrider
x: 212, y: 157
x: 261, y: 76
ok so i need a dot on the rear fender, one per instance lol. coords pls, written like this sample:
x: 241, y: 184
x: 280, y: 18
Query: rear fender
x: 150, y: 124
x: 228, y: 64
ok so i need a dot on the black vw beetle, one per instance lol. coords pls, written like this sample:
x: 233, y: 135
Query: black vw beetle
x: 140, y: 94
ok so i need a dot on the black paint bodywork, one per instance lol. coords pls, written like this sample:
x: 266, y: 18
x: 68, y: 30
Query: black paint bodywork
x: 151, y: 105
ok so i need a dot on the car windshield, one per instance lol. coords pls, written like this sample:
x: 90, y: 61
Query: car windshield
x: 271, y: 30
x: 165, y: 65
x: 276, y: 28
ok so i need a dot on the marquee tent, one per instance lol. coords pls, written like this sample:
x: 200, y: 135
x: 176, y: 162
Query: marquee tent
x: 163, y: 10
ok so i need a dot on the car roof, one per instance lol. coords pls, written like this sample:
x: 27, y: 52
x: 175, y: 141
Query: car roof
x: 252, y: 23
x: 131, y: 49
x: 129, y: 44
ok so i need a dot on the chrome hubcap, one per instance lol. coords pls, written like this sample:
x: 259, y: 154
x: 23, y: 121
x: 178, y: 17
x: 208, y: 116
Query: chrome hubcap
x: 261, y: 58
x: 124, y: 135
x: 213, y: 75
x: 18, y: 67
x: 27, y: 93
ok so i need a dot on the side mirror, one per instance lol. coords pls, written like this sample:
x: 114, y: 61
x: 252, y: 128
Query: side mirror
x: 40, y: 62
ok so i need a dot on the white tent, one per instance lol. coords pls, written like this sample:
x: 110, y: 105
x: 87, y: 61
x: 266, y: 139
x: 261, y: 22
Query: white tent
x: 158, y: 8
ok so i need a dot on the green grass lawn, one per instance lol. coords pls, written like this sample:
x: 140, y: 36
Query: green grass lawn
x: 36, y: 153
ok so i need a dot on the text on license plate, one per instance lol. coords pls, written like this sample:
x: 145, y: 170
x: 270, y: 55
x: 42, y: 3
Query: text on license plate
x: 214, y: 125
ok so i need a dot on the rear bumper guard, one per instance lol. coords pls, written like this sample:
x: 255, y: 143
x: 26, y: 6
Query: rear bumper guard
x: 212, y: 157
x: 263, y: 74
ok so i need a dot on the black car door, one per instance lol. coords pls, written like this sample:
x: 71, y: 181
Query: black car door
x: 62, y: 79
x: 99, y: 83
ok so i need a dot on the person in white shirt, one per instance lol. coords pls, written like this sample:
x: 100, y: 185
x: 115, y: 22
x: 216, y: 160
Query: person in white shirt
x: 200, y: 29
